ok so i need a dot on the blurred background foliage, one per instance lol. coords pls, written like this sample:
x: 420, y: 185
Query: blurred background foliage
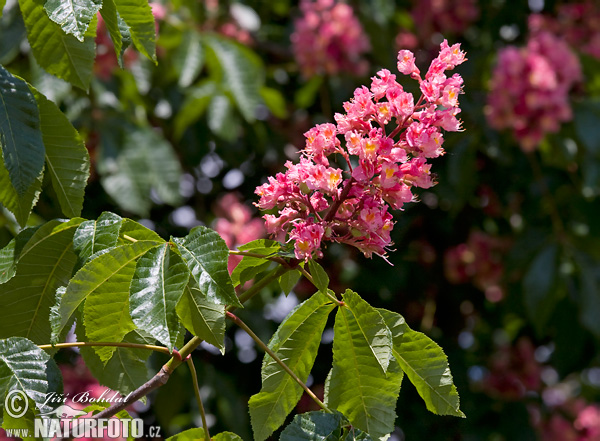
x: 499, y: 262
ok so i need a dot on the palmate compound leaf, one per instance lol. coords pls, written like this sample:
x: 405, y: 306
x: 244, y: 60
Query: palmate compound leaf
x: 206, y: 255
x: 425, y: 364
x: 20, y: 135
x: 157, y: 285
x: 358, y: 386
x: 73, y: 16
x: 106, y: 281
x: 23, y: 367
x: 296, y: 343
x: 58, y: 53
x: 201, y: 317
x: 46, y: 262
x: 314, y: 426
x: 67, y: 159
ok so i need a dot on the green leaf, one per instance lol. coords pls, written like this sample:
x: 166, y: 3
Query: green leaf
x: 158, y: 283
x: 20, y: 136
x: 355, y: 434
x: 46, y: 263
x: 296, y: 343
x: 538, y: 286
x: 138, y: 16
x: 307, y: 94
x: 95, y: 236
x: 288, y: 280
x: 9, y: 255
x: 358, y: 386
x: 250, y: 266
x: 206, y: 255
x: 73, y: 16
x: 20, y: 206
x: 111, y: 19
x: 189, y: 57
x: 98, y: 274
x: 23, y: 367
x: 67, y: 159
x: 202, y: 318
x: 219, y: 118
x: 275, y: 101
x: 195, y: 434
x: 136, y: 231
x: 125, y: 371
x: 320, y: 277
x: 106, y: 308
x: 194, y: 106
x: 314, y: 426
x: 226, y: 436
x: 2, y: 4
x: 58, y: 53
x: 147, y: 161
x: 426, y: 366
x: 243, y: 73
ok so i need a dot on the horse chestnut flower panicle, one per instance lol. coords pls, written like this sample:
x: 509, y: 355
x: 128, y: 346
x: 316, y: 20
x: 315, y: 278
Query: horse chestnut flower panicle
x: 352, y: 173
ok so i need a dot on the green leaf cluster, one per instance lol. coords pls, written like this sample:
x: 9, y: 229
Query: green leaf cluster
x: 372, y: 351
x: 120, y: 282
x: 36, y: 137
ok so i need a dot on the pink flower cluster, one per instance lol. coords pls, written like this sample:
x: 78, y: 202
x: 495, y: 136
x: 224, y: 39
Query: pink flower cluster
x: 575, y: 420
x: 530, y: 89
x: 328, y: 39
x: 384, y: 139
x: 576, y: 23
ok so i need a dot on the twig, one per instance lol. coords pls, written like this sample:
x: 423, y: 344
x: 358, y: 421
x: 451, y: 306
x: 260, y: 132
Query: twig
x: 106, y: 343
x: 284, y: 366
x: 190, y: 364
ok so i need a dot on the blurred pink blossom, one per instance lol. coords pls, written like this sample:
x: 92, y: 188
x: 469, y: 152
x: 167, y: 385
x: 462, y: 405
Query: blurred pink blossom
x: 329, y: 39
x: 529, y: 91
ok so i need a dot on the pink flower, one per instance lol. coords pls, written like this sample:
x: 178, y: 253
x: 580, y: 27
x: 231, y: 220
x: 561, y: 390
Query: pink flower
x: 328, y: 39
x: 530, y: 89
x: 386, y: 142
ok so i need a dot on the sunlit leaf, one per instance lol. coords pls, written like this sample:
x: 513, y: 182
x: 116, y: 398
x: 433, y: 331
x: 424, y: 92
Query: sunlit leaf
x: 45, y: 263
x: 99, y: 274
x: 364, y: 382
x: 206, y: 255
x: 138, y: 16
x: 295, y: 342
x: 314, y: 426
x: 67, y: 159
x: 189, y: 58
x: 426, y: 366
x: 58, y: 53
x: 201, y: 317
x: 73, y: 16
x: 158, y: 283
